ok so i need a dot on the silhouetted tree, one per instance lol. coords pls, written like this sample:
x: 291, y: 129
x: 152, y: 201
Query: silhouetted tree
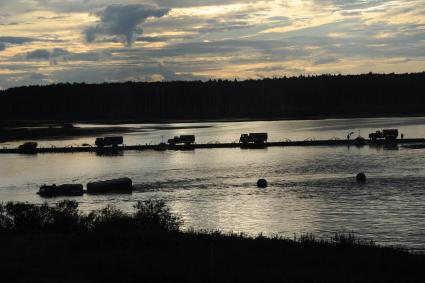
x: 325, y: 95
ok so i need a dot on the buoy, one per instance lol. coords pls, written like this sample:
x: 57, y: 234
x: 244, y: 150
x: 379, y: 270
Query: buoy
x: 361, y: 178
x: 262, y: 183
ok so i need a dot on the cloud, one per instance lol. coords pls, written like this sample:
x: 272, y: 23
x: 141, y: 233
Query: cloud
x: 194, y: 3
x: 351, y: 4
x: 38, y: 54
x: 208, y: 38
x: 325, y: 60
x: 89, y: 56
x: 97, y: 73
x: 45, y: 54
x: 87, y: 5
x: 15, y: 39
x: 123, y: 21
x: 23, y: 78
x: 230, y: 47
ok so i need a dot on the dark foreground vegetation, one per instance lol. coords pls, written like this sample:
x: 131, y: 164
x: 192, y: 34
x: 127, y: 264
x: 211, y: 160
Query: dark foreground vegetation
x: 59, y: 244
x: 297, y: 97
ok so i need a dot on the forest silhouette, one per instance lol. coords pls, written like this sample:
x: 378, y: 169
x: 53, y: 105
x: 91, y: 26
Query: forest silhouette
x: 294, y: 97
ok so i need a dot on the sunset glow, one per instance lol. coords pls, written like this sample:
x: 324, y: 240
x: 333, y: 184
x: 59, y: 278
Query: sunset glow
x: 48, y: 41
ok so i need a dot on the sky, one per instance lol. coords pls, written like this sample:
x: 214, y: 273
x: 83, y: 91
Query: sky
x: 51, y: 41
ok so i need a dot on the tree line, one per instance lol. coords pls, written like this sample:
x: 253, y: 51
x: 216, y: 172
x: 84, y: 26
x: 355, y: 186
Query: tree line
x: 295, y: 97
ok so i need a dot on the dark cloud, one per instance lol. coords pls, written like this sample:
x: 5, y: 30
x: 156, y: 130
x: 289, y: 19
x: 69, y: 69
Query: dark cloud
x: 2, y: 46
x: 15, y: 39
x: 57, y: 52
x: 46, y: 54
x: 216, y: 25
x: 280, y: 48
x: 151, y: 39
x: 39, y: 54
x: 123, y: 21
x: 89, y: 56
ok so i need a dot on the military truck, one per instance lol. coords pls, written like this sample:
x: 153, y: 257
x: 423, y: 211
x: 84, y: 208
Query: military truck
x: 390, y: 134
x: 183, y: 139
x: 113, y: 141
x: 121, y: 185
x: 62, y: 190
x: 386, y: 134
x: 28, y: 147
x: 256, y: 138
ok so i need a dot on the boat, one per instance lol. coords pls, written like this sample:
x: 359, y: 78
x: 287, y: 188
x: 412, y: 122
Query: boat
x: 62, y: 190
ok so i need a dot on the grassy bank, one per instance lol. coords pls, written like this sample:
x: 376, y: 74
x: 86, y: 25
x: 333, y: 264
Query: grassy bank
x: 60, y: 244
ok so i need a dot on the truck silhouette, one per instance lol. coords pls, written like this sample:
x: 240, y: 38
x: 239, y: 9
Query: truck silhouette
x: 28, y: 147
x: 62, y: 190
x: 121, y: 185
x: 386, y: 134
x: 183, y: 139
x: 109, y: 141
x: 256, y: 138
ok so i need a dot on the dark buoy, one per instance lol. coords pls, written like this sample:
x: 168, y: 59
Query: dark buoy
x: 361, y: 178
x: 262, y: 183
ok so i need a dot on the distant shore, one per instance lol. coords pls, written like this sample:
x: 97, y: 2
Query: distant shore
x: 303, y: 97
x: 36, y: 123
x: 58, y: 244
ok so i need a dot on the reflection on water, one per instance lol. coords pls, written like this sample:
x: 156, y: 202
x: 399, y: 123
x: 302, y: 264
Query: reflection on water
x: 311, y: 189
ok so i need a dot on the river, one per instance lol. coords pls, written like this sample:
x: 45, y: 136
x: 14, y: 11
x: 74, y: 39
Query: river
x: 311, y: 189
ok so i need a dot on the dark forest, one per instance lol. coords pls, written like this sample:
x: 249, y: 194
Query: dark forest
x: 296, y: 97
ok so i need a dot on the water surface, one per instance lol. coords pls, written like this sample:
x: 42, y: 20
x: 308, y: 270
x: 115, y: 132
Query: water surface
x: 311, y: 189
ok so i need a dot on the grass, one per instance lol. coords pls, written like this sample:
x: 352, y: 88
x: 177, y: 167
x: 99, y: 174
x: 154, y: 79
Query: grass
x: 60, y: 244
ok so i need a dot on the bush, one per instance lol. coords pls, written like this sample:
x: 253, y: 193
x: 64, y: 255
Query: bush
x: 24, y: 217
x: 64, y: 217
x: 155, y: 215
x: 108, y: 219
